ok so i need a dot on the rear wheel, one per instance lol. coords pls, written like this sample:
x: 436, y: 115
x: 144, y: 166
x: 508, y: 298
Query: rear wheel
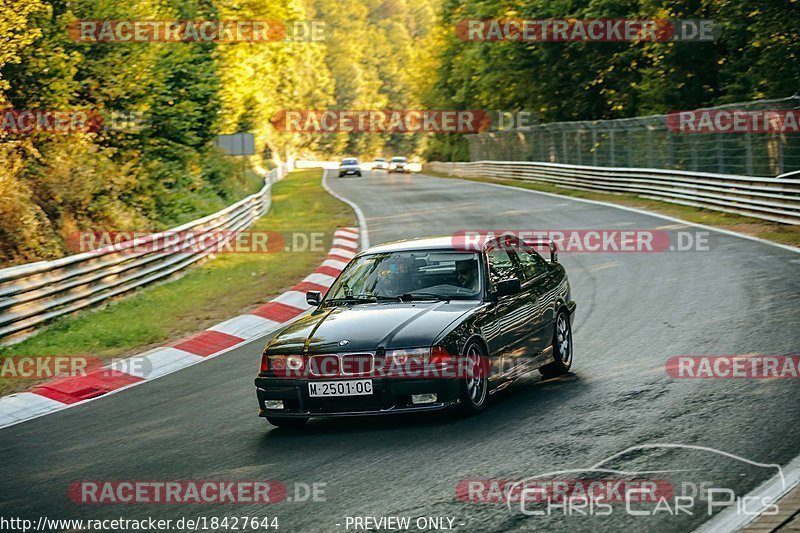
x: 475, y: 382
x: 287, y: 422
x: 562, y: 348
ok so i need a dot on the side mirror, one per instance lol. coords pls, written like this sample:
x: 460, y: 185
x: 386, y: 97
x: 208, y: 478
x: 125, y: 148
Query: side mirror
x: 313, y: 298
x: 553, y: 250
x: 507, y: 287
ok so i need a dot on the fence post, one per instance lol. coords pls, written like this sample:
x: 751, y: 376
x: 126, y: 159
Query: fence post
x: 630, y: 148
x: 748, y: 153
x: 611, y: 145
x: 594, y: 145
x: 670, y: 155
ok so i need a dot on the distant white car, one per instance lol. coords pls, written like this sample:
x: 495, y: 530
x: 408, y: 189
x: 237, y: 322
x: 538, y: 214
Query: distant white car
x: 349, y: 165
x: 399, y: 164
x: 380, y: 164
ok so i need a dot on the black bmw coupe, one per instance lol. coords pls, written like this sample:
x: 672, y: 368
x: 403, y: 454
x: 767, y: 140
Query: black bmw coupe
x: 420, y: 325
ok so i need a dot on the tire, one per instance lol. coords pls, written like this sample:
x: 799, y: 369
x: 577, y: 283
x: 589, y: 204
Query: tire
x: 474, y: 388
x: 287, y: 422
x: 563, y: 348
x: 359, y: 174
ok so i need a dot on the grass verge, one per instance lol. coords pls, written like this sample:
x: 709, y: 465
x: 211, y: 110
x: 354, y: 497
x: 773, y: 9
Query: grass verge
x: 772, y: 231
x: 206, y: 294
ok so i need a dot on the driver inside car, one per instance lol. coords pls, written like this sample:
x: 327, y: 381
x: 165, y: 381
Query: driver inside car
x: 392, y: 281
x: 467, y: 274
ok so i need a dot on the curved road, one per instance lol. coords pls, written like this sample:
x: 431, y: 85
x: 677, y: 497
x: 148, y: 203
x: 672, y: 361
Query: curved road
x: 635, y: 310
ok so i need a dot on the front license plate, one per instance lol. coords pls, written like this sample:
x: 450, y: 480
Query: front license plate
x: 352, y: 387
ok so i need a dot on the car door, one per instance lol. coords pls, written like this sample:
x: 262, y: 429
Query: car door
x: 539, y: 285
x: 509, y: 315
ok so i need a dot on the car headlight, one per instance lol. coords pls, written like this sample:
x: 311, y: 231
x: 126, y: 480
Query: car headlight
x: 434, y: 354
x: 402, y: 357
x: 284, y: 363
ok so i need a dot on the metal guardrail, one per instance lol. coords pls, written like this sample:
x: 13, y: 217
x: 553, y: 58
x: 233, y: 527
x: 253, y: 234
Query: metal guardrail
x: 776, y: 200
x: 35, y: 293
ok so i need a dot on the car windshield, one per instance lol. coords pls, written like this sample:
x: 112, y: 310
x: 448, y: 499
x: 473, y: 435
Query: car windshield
x: 411, y: 275
x: 398, y: 160
x: 380, y: 160
x: 349, y: 161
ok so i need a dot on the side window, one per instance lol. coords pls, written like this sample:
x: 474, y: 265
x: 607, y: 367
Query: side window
x: 532, y: 263
x: 500, y: 266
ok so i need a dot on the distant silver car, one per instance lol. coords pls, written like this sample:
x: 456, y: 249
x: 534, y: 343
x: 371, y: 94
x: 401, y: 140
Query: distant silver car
x: 399, y: 164
x: 380, y: 164
x: 349, y: 165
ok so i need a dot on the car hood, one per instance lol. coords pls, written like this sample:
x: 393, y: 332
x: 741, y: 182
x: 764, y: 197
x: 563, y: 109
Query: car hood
x: 367, y: 327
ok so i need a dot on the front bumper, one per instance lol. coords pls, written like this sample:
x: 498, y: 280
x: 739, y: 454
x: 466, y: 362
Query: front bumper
x: 389, y: 396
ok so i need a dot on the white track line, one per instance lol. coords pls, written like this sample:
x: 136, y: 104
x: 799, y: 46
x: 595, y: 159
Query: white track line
x: 771, y: 490
x: 362, y: 221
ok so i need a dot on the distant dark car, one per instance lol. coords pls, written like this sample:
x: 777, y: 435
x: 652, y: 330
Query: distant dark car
x: 399, y: 164
x: 349, y: 166
x: 420, y: 325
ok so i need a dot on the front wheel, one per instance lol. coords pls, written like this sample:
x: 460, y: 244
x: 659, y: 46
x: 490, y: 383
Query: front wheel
x: 562, y: 348
x: 287, y: 422
x: 475, y: 382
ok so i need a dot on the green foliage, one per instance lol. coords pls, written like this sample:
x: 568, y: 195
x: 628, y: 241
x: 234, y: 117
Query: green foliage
x: 375, y: 54
x: 755, y: 56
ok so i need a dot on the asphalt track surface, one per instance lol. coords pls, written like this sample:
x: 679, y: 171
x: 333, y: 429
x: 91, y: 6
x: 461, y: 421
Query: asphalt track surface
x: 635, y: 310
